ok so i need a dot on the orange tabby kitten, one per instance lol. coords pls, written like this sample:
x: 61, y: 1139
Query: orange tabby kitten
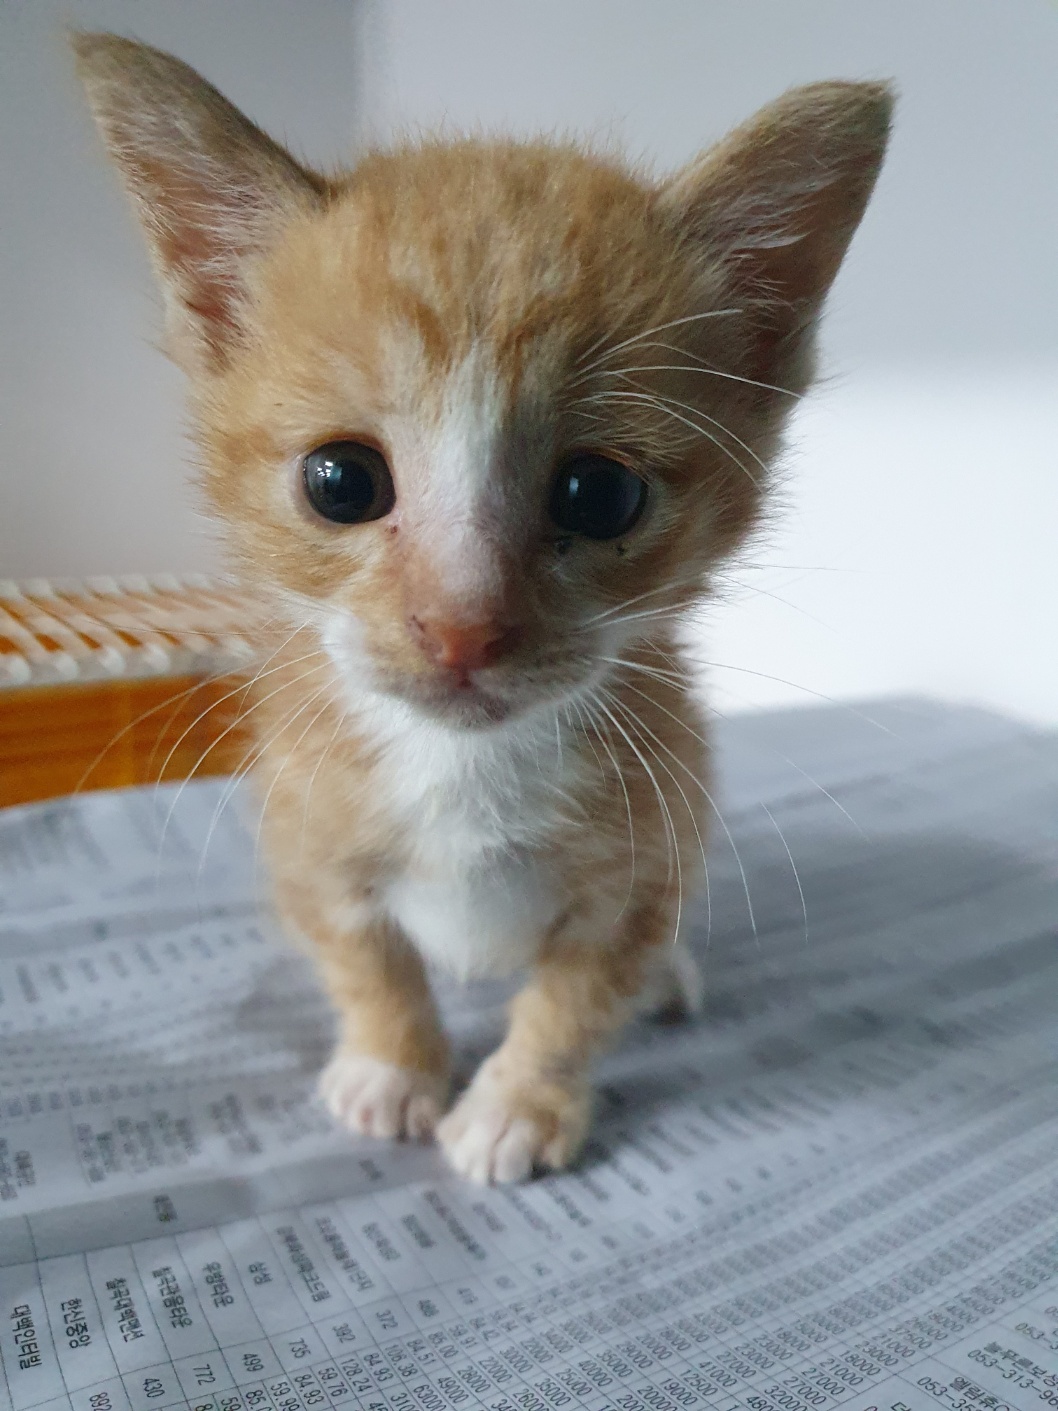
x: 480, y: 420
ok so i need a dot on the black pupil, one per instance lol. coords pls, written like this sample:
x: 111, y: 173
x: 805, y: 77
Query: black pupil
x: 597, y: 497
x: 348, y: 483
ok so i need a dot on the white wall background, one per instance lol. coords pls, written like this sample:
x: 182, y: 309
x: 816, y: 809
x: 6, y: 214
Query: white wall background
x: 93, y: 475
x: 920, y: 506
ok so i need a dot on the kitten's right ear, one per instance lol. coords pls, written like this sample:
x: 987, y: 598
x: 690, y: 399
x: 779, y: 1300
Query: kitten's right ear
x: 211, y: 189
x: 777, y: 202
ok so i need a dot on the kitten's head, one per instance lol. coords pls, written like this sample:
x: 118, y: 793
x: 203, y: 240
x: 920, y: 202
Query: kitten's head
x: 485, y: 413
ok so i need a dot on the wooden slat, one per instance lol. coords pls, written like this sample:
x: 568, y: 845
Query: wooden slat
x: 111, y: 682
x: 101, y: 735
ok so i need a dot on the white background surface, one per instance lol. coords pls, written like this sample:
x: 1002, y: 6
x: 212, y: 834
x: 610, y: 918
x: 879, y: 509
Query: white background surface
x: 921, y: 494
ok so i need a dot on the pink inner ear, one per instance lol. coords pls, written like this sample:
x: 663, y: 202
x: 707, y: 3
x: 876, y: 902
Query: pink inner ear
x: 206, y: 281
x: 788, y: 277
x: 201, y: 237
x: 210, y: 186
x: 779, y: 200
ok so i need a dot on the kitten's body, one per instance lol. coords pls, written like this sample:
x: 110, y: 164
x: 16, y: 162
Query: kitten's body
x: 476, y: 742
x: 476, y: 844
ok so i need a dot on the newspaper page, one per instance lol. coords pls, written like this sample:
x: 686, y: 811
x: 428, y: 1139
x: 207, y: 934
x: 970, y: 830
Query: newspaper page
x: 837, y: 1188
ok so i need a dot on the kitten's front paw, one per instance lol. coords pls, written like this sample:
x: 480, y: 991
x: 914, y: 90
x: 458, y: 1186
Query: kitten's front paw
x: 378, y: 1099
x: 500, y: 1130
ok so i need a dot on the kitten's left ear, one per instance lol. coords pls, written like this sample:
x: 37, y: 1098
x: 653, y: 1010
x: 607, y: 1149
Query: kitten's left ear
x: 211, y: 189
x: 776, y: 204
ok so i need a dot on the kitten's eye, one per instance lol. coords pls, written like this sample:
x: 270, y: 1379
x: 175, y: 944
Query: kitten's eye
x: 597, y: 497
x: 348, y: 482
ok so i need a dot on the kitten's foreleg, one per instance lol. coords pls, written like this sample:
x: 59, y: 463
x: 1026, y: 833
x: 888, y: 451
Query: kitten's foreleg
x: 529, y: 1104
x: 390, y: 1071
x: 389, y: 1074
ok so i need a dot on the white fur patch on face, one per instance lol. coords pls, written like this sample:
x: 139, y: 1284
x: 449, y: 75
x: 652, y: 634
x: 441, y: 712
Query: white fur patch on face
x: 343, y: 641
x: 449, y: 482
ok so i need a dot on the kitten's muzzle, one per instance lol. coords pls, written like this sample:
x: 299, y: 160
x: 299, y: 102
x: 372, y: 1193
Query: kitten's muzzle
x: 461, y: 647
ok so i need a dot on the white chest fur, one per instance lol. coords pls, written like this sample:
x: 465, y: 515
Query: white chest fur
x: 476, y: 896
x: 486, y: 920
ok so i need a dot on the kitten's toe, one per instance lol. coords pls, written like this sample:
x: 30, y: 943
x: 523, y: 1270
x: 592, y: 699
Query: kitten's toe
x: 499, y: 1131
x: 491, y: 1148
x: 674, y: 989
x: 378, y: 1099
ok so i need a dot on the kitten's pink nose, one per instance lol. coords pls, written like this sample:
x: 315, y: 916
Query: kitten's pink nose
x: 462, y: 646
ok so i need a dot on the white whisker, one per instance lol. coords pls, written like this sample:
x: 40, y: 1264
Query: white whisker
x: 695, y: 578
x: 172, y: 700
x: 312, y: 779
x: 778, y: 598
x: 696, y: 411
x: 708, y: 798
x: 669, y: 411
x: 246, y: 763
x: 793, y: 865
x: 329, y: 687
x: 244, y: 687
x: 674, y: 852
x: 647, y: 333
x: 673, y: 611
x: 672, y: 678
x: 607, y: 746
x: 704, y: 368
x: 796, y: 685
x: 637, y: 724
x: 214, y: 743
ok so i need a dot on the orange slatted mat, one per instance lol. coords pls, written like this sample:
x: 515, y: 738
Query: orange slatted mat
x: 110, y: 682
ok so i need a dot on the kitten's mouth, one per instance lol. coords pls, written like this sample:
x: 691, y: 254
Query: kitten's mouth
x: 477, y: 700
x: 455, y: 700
